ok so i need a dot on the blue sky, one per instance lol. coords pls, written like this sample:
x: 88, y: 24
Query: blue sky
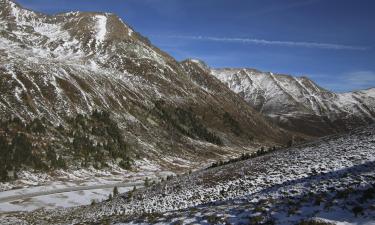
x: 330, y: 41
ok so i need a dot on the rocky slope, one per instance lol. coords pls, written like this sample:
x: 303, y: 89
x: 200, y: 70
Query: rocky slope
x: 330, y: 178
x: 81, y: 73
x: 298, y: 104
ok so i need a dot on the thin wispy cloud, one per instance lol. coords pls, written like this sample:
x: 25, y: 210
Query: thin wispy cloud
x: 361, y: 79
x: 46, y: 7
x: 272, y: 42
x: 350, y: 81
x: 282, y: 7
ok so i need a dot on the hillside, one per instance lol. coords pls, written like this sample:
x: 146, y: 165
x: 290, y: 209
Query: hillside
x: 325, y: 178
x: 298, y: 104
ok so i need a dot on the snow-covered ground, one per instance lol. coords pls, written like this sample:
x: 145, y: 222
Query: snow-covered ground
x: 60, y: 200
x: 72, y: 188
x: 341, y: 197
x: 332, y: 178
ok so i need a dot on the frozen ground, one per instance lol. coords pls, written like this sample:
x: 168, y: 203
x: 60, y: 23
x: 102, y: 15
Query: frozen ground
x: 71, y: 188
x: 60, y: 200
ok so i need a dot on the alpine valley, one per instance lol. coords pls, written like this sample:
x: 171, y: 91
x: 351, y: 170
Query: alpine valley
x: 87, y: 103
x: 87, y: 88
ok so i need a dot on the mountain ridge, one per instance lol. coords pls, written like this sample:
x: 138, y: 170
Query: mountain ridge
x: 280, y: 96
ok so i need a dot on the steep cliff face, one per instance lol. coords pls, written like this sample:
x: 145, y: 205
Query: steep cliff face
x: 67, y: 65
x: 298, y: 104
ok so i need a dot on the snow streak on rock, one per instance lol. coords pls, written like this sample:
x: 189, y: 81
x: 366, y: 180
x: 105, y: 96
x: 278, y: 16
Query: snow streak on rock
x: 101, y: 28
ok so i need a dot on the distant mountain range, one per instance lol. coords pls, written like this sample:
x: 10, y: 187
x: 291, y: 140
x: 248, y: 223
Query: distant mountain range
x: 298, y: 104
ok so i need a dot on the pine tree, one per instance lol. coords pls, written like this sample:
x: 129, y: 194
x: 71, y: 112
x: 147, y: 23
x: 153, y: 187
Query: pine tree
x: 115, y: 191
x: 22, y: 149
x: 61, y: 163
x: 130, y: 194
x: 147, y: 182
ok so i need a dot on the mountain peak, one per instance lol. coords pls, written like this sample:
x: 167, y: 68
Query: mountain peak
x: 201, y: 64
x: 95, y: 29
x: 81, y: 25
x: 12, y: 10
x: 66, y: 33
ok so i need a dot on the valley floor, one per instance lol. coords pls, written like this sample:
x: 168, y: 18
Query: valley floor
x: 60, y: 195
x: 71, y: 188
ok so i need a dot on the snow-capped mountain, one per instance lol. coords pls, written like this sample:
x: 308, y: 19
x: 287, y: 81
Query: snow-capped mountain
x: 58, y: 67
x: 83, y: 92
x: 298, y: 104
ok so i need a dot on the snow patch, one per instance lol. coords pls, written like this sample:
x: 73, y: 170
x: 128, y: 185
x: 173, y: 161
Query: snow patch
x: 101, y: 28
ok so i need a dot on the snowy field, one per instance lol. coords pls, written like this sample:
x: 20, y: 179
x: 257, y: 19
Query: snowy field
x: 72, y: 188
x: 60, y: 200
